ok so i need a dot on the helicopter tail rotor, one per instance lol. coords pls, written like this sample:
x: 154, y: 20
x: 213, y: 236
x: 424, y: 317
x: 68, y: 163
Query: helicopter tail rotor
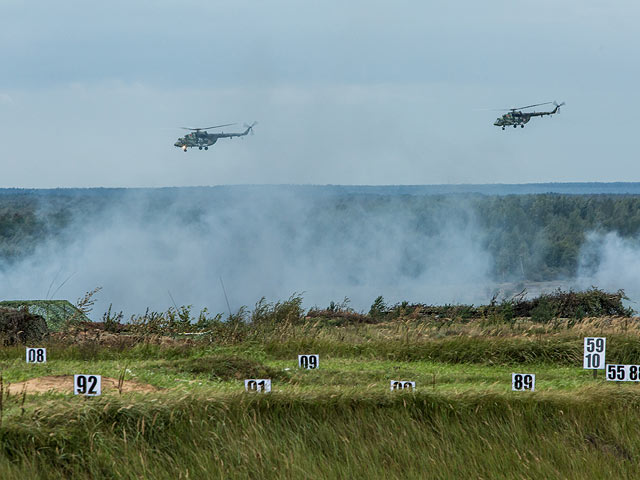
x: 557, y: 105
x: 250, y: 127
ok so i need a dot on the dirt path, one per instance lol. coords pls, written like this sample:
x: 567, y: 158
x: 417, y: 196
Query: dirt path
x: 64, y: 384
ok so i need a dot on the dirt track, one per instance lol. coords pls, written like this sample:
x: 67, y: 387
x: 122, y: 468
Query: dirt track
x: 64, y: 384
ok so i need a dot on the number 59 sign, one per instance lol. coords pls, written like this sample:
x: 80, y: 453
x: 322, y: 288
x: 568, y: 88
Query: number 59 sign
x: 594, y: 352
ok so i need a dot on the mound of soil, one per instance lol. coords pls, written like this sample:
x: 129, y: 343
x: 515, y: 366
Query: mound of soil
x: 20, y: 326
x: 64, y: 384
x: 223, y: 367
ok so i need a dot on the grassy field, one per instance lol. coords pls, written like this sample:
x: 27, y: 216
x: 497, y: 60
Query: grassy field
x: 194, y: 420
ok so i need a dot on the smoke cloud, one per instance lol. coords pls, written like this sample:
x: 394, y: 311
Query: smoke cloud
x: 611, y: 262
x: 261, y: 241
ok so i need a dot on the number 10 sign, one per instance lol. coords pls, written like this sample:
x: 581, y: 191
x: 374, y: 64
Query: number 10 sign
x: 594, y: 351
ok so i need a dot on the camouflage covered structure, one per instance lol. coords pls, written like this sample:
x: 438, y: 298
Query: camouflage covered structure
x: 55, y: 312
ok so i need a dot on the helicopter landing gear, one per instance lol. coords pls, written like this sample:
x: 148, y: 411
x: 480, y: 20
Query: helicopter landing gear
x: 206, y: 148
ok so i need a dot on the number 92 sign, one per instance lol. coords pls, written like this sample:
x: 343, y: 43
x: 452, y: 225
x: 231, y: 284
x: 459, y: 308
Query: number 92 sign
x: 88, y: 385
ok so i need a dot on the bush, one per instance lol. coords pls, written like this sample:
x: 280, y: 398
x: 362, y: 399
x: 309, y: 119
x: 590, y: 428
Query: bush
x: 21, y: 326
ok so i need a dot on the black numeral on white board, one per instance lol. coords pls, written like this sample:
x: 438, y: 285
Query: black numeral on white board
x: 258, y: 385
x: 89, y: 385
x: 521, y: 382
x: 36, y: 355
x: 309, y: 362
x: 402, y: 385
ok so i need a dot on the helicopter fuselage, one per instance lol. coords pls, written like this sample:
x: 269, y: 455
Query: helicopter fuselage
x: 517, y: 117
x: 513, y: 118
x: 203, y: 140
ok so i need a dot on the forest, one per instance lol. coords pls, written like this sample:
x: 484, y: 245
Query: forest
x: 533, y: 237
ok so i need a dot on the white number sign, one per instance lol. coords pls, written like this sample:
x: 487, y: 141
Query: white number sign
x: 36, y: 355
x: 89, y: 385
x: 309, y: 362
x: 623, y: 373
x: 594, y: 351
x: 521, y: 382
x: 402, y: 385
x: 258, y: 385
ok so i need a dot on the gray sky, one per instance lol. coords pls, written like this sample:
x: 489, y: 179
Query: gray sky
x: 94, y: 93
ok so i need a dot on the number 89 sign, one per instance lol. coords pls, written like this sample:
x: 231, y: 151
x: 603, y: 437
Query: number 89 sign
x: 521, y: 382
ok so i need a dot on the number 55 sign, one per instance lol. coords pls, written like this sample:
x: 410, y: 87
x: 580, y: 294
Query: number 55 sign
x: 594, y: 350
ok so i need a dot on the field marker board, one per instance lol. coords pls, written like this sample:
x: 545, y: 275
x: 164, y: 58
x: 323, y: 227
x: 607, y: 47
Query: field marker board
x: 88, y: 385
x: 36, y: 355
x: 309, y: 362
x: 523, y: 382
x: 623, y: 373
x: 402, y: 385
x: 594, y: 353
x: 258, y: 385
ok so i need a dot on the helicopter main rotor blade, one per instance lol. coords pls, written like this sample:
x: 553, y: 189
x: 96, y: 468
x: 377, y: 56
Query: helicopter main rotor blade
x: 529, y: 106
x: 207, y: 128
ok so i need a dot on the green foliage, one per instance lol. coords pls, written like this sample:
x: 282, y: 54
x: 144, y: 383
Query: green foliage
x: 543, y: 312
x: 378, y: 309
x: 591, y: 303
x: 289, y: 311
x: 112, y: 323
x: 222, y: 367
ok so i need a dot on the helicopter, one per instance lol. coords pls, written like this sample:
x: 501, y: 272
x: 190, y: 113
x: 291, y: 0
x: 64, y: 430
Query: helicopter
x: 199, y: 137
x: 516, y: 117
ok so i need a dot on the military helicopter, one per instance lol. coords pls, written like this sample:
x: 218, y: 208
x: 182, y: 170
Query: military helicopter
x: 199, y: 137
x: 516, y: 117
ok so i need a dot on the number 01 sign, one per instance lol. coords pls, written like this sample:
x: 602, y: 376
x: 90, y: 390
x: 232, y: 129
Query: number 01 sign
x: 258, y: 385
x: 594, y: 352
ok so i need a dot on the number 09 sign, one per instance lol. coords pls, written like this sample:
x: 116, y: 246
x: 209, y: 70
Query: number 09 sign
x: 594, y: 352
x: 309, y: 362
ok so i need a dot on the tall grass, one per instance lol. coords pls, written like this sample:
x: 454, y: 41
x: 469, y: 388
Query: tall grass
x: 339, y: 436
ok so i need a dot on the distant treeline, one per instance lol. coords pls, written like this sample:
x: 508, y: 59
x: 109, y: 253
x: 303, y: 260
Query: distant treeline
x: 530, y: 237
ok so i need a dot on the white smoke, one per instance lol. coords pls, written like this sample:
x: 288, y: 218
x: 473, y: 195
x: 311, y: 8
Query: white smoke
x: 611, y: 262
x: 274, y: 241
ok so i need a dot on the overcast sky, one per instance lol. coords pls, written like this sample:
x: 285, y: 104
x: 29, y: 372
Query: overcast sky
x: 358, y: 92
